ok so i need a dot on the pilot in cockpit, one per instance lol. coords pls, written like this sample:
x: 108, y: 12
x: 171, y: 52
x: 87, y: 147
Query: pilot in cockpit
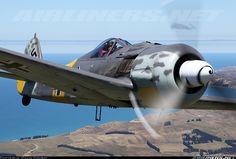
x: 106, y: 48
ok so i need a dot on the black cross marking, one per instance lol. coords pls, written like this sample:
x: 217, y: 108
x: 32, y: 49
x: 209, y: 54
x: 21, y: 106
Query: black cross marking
x: 13, y: 65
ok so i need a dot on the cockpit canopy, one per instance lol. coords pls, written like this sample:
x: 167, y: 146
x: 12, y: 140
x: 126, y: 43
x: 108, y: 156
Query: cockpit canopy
x: 108, y: 47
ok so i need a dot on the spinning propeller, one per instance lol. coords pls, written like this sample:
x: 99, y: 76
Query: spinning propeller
x: 173, y: 77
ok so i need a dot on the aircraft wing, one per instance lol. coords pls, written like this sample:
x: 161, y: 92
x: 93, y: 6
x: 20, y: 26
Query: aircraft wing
x: 70, y: 80
x: 218, y: 98
x: 217, y: 103
x: 10, y: 76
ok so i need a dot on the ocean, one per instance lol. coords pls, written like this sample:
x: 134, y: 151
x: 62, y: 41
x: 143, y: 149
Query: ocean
x: 46, y: 118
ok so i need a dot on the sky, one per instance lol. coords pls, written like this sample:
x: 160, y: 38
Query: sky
x: 132, y: 20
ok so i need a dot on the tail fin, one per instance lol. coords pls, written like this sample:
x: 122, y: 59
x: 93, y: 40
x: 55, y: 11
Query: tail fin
x: 33, y: 48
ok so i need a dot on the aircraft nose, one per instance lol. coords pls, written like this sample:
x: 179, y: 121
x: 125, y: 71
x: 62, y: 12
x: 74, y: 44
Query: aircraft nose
x: 196, y: 73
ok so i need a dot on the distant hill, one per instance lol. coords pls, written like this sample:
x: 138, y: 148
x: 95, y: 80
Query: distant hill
x: 225, y: 77
x: 186, y: 132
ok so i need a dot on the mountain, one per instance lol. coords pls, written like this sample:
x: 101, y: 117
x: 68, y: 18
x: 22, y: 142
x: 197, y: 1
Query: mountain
x: 185, y: 132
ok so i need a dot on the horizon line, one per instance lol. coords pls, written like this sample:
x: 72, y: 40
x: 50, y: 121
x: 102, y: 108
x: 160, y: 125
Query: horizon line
x: 68, y: 40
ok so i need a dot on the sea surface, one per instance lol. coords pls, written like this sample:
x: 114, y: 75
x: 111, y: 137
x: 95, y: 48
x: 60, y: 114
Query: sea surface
x: 46, y: 118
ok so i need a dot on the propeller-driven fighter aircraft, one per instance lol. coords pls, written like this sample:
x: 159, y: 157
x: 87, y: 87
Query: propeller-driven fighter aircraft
x: 115, y: 74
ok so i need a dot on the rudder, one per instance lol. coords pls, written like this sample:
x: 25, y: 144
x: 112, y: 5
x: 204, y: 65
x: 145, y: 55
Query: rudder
x: 26, y: 88
x: 33, y: 48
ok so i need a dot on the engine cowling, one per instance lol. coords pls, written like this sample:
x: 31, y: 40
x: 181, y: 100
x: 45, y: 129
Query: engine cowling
x: 179, y: 70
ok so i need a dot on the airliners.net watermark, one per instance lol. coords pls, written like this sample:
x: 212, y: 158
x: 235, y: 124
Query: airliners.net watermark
x: 57, y: 15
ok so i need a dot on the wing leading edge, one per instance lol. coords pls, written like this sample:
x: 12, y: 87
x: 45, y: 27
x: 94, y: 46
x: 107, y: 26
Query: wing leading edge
x: 70, y: 80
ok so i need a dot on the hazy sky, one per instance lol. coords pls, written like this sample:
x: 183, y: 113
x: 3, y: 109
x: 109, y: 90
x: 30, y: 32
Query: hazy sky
x: 133, y: 20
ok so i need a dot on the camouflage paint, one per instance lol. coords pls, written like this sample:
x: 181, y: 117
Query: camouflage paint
x: 154, y: 73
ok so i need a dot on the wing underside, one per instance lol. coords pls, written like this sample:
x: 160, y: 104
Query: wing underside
x: 221, y: 98
x: 212, y: 105
x: 10, y: 76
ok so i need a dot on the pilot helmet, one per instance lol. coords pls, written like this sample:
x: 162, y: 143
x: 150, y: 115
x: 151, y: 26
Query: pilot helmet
x: 110, y: 43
